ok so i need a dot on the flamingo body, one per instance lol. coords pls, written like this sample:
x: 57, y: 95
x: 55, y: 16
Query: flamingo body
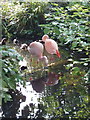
x: 50, y: 45
x: 36, y: 49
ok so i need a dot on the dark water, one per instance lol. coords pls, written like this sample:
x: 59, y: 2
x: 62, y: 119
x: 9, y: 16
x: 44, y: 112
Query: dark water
x: 52, y: 92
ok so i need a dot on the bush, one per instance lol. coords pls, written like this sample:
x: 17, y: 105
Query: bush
x: 22, y: 19
x: 69, y: 25
x: 11, y: 75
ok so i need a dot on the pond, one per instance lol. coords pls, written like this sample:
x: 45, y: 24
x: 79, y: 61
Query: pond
x: 56, y: 91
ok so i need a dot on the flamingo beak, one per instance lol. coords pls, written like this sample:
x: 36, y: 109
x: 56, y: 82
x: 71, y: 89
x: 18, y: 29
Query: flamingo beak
x: 58, y: 54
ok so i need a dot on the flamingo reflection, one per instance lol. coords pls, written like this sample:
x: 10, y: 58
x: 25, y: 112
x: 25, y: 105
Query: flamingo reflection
x: 53, y: 79
x: 50, y: 80
x: 38, y: 84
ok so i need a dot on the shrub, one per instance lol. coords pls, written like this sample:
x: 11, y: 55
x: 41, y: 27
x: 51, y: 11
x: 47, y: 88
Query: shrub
x: 11, y: 75
x: 69, y: 25
x: 22, y: 19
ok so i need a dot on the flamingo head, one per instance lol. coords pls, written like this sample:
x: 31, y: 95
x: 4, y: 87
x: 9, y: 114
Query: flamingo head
x: 45, y: 37
x: 24, y: 46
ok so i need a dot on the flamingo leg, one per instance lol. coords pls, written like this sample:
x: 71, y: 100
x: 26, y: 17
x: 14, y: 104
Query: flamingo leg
x: 52, y: 58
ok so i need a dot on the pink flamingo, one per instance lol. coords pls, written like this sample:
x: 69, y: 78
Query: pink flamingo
x: 50, y: 45
x: 36, y: 49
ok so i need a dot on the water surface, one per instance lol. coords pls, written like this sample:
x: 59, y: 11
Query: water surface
x: 55, y: 91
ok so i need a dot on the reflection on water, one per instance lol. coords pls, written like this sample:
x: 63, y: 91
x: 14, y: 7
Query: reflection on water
x: 52, y: 79
x: 38, y: 85
x: 31, y: 101
x: 53, y: 91
x: 33, y: 91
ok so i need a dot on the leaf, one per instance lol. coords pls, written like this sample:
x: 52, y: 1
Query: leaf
x: 69, y: 39
x: 5, y: 69
x: 4, y: 53
x: 46, y: 30
x: 56, y: 30
x: 49, y: 19
x: 70, y: 60
x: 74, y: 44
x: 76, y: 69
x: 69, y: 66
x: 44, y: 25
x: 12, y: 50
x: 12, y: 54
x: 20, y: 58
x: 12, y: 84
x: 57, y: 18
x: 82, y: 28
x: 7, y: 97
x: 55, y: 23
x: 4, y: 86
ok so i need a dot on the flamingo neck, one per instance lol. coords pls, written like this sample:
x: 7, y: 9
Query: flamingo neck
x: 45, y: 37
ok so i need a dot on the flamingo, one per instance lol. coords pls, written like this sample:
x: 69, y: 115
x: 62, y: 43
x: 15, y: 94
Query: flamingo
x: 50, y: 45
x: 36, y: 49
x: 3, y: 41
x: 24, y: 46
x: 15, y: 42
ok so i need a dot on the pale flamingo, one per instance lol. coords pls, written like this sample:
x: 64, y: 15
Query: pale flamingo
x: 36, y: 49
x: 24, y: 46
x: 3, y: 41
x: 50, y: 45
x: 15, y: 42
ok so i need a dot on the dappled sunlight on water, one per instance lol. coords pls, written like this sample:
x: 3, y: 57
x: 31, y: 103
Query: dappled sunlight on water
x: 31, y: 98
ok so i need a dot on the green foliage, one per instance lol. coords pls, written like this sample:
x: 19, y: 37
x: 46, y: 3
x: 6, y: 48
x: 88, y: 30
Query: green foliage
x: 69, y: 25
x: 10, y: 70
x: 21, y: 19
x: 69, y: 98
